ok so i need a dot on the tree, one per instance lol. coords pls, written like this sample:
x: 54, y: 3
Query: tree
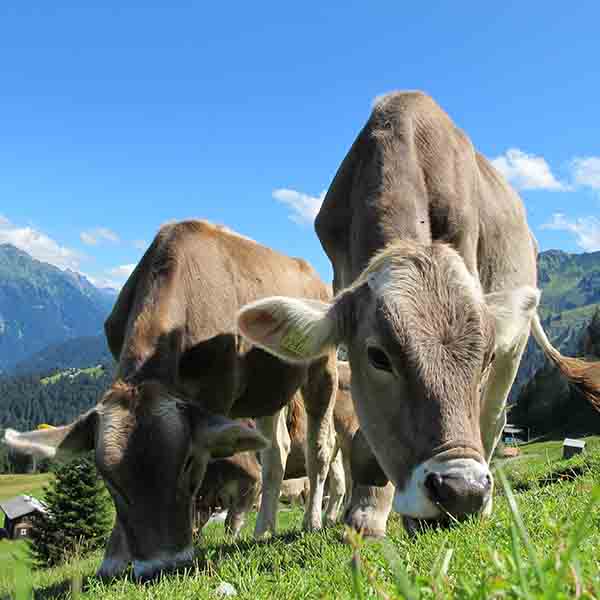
x: 77, y: 516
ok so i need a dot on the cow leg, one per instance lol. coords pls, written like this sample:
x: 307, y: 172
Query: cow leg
x: 319, y: 399
x: 274, y: 459
x: 493, y: 413
x: 201, y: 518
x: 348, y: 478
x: 369, y: 509
x: 116, y: 556
x: 337, y: 489
x: 372, y: 493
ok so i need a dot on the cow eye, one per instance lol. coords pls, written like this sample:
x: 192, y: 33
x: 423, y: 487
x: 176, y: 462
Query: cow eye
x: 379, y: 359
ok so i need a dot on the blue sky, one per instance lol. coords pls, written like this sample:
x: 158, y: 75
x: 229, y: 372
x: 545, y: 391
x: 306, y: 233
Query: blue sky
x: 119, y: 117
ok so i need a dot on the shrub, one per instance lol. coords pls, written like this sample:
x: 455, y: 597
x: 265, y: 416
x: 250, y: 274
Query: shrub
x: 77, y: 518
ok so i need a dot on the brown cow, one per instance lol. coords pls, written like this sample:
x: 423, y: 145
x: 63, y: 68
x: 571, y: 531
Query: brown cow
x: 234, y: 482
x: 231, y: 484
x: 182, y: 369
x: 435, y: 274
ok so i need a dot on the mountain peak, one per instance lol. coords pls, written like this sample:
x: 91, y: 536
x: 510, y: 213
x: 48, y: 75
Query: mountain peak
x: 42, y: 305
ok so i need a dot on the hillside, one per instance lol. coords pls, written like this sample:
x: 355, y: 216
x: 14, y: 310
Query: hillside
x: 78, y: 353
x: 548, y: 405
x: 29, y: 400
x: 540, y: 542
x: 570, y: 285
x: 42, y: 305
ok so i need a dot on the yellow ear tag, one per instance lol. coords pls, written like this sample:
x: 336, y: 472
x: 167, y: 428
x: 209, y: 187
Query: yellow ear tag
x: 295, y: 342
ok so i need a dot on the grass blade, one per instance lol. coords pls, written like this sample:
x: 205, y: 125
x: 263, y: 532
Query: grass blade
x: 520, y: 527
x: 577, y: 534
x: 401, y: 578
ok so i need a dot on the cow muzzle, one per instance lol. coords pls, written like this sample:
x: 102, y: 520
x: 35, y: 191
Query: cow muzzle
x: 446, y: 490
x: 146, y: 570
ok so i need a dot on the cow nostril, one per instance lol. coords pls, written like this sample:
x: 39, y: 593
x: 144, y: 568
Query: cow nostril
x: 457, y: 495
x: 487, y: 482
x: 434, y: 483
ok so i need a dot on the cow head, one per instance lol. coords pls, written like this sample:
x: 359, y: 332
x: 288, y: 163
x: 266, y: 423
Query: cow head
x: 152, y: 451
x: 421, y: 339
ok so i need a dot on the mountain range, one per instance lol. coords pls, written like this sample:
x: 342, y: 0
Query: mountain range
x: 42, y: 305
x: 51, y: 322
x: 570, y: 285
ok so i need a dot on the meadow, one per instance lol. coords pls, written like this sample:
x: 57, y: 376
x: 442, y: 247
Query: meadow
x: 541, y: 542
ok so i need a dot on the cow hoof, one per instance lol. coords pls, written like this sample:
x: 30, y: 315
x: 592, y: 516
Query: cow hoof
x: 330, y: 522
x: 264, y: 535
x: 368, y: 525
x: 312, y: 525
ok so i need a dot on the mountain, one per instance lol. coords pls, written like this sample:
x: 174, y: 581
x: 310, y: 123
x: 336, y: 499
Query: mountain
x: 27, y: 401
x: 78, y: 353
x: 548, y: 405
x: 570, y: 285
x: 42, y: 305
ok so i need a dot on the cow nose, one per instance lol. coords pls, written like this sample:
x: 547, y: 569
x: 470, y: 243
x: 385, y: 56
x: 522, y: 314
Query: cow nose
x: 457, y: 495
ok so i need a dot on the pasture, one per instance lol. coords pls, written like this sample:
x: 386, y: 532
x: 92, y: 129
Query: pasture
x: 14, y: 553
x: 547, y: 548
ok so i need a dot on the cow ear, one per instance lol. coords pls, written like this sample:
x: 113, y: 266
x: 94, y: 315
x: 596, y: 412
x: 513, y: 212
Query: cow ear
x: 223, y: 437
x: 512, y: 311
x: 295, y: 330
x: 60, y: 442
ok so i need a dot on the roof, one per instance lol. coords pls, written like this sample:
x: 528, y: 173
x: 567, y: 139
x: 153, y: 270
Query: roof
x: 20, y: 506
x: 574, y: 443
x: 513, y: 429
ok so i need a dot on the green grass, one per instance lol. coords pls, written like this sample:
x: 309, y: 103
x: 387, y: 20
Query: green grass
x: 545, y: 548
x: 13, y: 485
x: 13, y: 554
x: 95, y: 372
x: 539, y: 463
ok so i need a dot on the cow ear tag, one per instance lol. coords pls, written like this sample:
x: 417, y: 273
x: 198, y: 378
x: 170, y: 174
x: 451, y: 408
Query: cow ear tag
x: 295, y: 342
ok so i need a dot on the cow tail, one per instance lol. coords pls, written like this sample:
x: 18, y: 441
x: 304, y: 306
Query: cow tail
x: 583, y: 375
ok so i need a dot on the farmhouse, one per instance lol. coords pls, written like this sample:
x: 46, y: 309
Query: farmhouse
x: 511, y: 434
x: 19, y: 512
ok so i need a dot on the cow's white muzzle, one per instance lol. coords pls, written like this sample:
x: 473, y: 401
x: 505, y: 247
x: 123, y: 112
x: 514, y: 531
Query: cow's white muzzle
x: 458, y: 487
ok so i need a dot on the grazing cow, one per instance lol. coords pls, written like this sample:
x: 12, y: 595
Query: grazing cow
x: 182, y: 370
x: 435, y: 276
x: 294, y: 491
x: 233, y: 483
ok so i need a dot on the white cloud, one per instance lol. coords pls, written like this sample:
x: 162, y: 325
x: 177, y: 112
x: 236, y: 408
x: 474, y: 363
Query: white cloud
x: 39, y: 245
x: 100, y: 281
x: 586, y: 171
x: 304, y: 207
x: 121, y: 272
x: 112, y: 278
x: 91, y: 237
x: 526, y: 171
x: 140, y: 244
x: 585, y: 229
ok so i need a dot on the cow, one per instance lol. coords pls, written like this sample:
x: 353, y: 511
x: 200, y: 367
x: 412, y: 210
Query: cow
x: 183, y: 374
x: 435, y: 280
x: 232, y: 483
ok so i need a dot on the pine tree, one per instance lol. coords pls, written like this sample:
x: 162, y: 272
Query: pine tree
x: 77, y: 517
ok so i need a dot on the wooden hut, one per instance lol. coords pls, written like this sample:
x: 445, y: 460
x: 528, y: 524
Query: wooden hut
x: 513, y: 434
x: 19, y: 512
